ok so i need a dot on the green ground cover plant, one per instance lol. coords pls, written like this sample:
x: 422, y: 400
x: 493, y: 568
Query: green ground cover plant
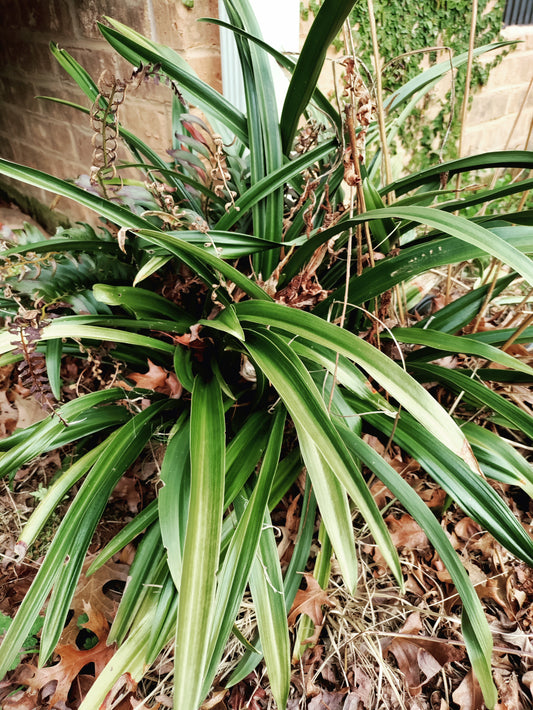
x: 261, y: 271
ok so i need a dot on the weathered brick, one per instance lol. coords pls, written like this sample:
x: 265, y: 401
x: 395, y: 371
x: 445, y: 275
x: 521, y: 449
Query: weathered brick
x: 22, y: 58
x: 20, y: 94
x: 43, y: 61
x: 152, y: 91
x: 133, y: 13
x: 16, y: 123
x: 67, y: 91
x: 45, y: 16
x: 176, y: 25
x: 11, y: 49
x: 8, y: 151
x: 491, y: 135
x: 528, y: 38
x: 207, y: 65
x: 83, y: 148
x: 94, y: 60
x: 54, y: 136
x: 10, y: 13
x: 151, y: 125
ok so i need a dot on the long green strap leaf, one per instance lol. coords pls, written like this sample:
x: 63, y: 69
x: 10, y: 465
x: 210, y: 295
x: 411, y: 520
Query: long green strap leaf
x: 396, y: 381
x: 498, y: 459
x: 291, y: 581
x: 149, y: 563
x: 202, y: 544
x: 56, y: 492
x: 412, y: 260
x: 139, y: 50
x: 262, y: 188
x: 110, y: 210
x: 493, y: 159
x: 184, y: 250
x: 129, y: 532
x: 455, y: 344
x: 284, y: 61
x: 60, y: 329
x: 173, y: 499
x: 304, y: 79
x: 266, y: 584
x: 481, y: 394
x: 265, y: 147
x: 85, y: 512
x: 458, y: 227
x: 242, y: 550
x: 320, y: 444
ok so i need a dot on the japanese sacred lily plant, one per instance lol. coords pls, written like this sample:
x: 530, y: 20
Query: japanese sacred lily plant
x: 269, y: 275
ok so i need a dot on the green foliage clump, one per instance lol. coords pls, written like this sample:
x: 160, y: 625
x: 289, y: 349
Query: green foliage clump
x: 256, y: 304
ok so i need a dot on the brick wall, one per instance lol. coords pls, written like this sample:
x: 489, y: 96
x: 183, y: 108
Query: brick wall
x: 57, y: 139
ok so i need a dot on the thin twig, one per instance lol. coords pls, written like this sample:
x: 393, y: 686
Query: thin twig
x: 379, y: 98
x: 518, y: 332
x: 464, y: 111
x: 496, y: 267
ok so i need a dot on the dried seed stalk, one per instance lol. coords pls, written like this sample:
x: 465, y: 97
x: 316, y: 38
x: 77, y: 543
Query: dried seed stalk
x: 104, y: 122
x: 27, y: 326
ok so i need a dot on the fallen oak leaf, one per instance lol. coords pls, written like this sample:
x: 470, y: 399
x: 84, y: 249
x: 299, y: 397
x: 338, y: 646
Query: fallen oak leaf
x: 71, y: 662
x: 310, y: 601
x: 158, y: 379
x: 19, y: 701
x: 91, y: 591
x: 127, y: 489
x: 405, y: 534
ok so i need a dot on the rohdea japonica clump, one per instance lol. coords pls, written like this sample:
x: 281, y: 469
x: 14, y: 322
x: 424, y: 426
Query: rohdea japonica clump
x: 263, y: 263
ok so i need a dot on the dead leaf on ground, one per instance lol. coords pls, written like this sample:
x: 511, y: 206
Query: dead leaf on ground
x: 29, y: 410
x: 127, y: 489
x: 158, y: 379
x: 55, y: 681
x: 310, y: 601
x: 380, y: 493
x: 328, y: 701
x: 527, y: 680
x: 406, y: 533
x: 8, y: 416
x: 509, y: 690
x: 18, y: 410
x: 289, y: 532
x: 124, y: 687
x: 360, y: 696
x: 214, y: 702
x: 19, y: 701
x: 468, y: 695
x: 512, y: 636
x: 90, y: 590
x: 420, y: 658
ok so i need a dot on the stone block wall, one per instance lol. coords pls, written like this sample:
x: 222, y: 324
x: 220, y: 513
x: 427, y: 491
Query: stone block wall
x: 57, y: 139
x: 501, y: 113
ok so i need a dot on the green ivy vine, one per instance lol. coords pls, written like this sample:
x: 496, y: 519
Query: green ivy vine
x: 409, y: 26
